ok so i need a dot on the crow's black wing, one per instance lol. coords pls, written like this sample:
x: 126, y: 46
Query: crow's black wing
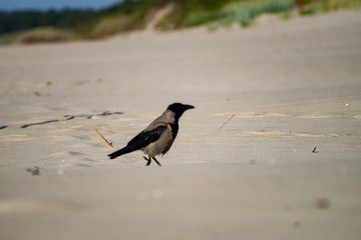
x: 145, y: 138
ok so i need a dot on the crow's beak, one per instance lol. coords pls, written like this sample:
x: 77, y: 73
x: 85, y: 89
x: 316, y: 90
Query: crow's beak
x: 186, y: 107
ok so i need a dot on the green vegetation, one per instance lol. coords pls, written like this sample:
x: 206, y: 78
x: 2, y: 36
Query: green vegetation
x: 38, y: 35
x: 240, y: 12
x: 44, y: 34
x: 128, y: 15
x: 319, y: 6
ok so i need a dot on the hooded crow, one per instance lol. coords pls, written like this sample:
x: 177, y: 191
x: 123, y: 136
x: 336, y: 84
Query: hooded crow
x: 158, y: 137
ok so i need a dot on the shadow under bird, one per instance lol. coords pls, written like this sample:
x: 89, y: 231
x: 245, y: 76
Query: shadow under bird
x: 158, y: 137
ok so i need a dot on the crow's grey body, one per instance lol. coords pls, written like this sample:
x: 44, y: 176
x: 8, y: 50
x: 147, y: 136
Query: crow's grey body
x: 159, y: 136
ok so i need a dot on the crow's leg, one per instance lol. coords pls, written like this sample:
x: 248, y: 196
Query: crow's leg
x: 148, y: 159
x: 156, y: 161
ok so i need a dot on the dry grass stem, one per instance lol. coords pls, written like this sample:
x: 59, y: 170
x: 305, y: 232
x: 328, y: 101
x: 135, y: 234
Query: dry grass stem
x: 110, y: 145
x: 226, y: 122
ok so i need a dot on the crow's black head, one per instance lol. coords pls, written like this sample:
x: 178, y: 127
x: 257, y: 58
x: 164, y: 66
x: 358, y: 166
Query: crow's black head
x: 179, y: 108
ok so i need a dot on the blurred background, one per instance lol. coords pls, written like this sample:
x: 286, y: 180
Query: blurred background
x: 24, y: 22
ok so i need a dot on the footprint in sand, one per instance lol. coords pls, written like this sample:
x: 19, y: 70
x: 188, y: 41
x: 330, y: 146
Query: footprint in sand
x: 71, y: 117
x: 82, y: 137
x: 88, y: 160
x: 76, y: 153
x: 82, y: 165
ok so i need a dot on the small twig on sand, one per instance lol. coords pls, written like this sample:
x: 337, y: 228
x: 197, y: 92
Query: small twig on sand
x: 226, y: 122
x: 35, y: 171
x: 110, y: 145
x: 314, y: 150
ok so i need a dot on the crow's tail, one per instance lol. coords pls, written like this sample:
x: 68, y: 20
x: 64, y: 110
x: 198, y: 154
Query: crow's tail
x: 121, y: 152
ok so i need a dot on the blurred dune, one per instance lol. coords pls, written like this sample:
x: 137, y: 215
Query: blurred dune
x: 31, y: 26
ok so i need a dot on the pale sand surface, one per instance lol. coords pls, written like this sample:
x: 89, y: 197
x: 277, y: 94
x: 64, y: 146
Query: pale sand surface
x: 291, y: 86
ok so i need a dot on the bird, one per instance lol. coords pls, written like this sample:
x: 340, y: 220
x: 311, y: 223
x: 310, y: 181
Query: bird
x: 158, y: 137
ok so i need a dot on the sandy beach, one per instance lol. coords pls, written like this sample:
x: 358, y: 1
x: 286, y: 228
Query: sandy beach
x: 242, y: 166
